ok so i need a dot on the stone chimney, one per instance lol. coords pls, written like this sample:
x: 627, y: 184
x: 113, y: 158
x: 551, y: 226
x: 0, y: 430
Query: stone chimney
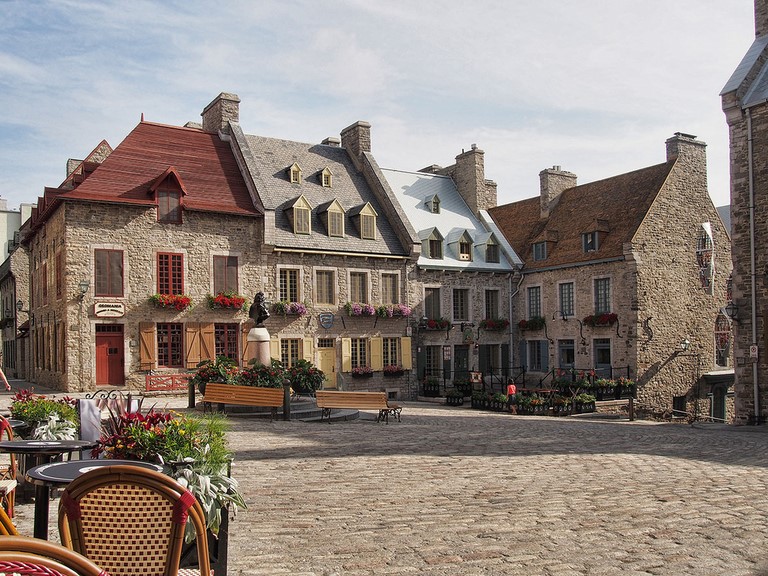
x: 224, y: 108
x: 761, y: 17
x: 331, y: 141
x: 553, y: 181
x: 357, y: 139
x: 686, y: 146
x: 469, y: 177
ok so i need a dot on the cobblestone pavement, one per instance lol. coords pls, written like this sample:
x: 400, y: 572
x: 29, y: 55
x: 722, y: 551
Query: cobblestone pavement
x: 458, y: 491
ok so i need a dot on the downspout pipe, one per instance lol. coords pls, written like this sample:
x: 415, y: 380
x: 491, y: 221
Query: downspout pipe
x: 752, y: 262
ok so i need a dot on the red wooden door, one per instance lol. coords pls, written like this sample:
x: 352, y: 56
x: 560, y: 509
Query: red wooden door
x: 109, y: 359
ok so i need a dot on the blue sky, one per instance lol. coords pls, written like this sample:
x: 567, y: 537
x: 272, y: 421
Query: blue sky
x: 594, y: 86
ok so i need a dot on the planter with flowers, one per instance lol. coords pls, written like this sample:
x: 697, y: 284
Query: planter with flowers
x: 393, y: 370
x: 627, y: 387
x: 532, y: 323
x: 262, y: 375
x: 431, y: 386
x: 494, y: 324
x: 289, y: 308
x: 226, y: 300
x: 362, y: 372
x: 438, y: 324
x: 222, y: 369
x: 598, y: 320
x: 394, y: 311
x: 304, y: 377
x: 178, y: 301
x: 359, y: 309
x: 45, y: 418
x: 454, y: 397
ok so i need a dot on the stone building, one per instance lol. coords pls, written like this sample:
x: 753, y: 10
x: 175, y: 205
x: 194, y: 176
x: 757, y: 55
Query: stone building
x: 461, y: 281
x: 619, y: 274
x: 745, y: 103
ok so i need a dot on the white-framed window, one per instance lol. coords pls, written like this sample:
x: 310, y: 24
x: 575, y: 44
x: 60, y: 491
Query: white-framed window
x: 325, y: 286
x: 589, y: 241
x: 326, y: 178
x: 295, y: 174
x: 359, y: 352
x: 358, y: 287
x: 602, y: 295
x: 534, y: 301
x: 492, y: 304
x: 289, y: 284
x: 539, y: 251
x: 368, y: 226
x: 390, y: 288
x: 565, y: 298
x: 461, y: 305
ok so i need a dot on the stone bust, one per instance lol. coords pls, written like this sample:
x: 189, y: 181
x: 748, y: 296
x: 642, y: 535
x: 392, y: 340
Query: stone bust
x: 258, y: 310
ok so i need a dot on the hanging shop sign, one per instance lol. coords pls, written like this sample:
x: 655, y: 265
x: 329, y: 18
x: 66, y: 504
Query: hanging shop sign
x: 109, y: 309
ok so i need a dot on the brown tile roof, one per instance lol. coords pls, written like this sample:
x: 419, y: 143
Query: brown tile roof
x: 205, y: 164
x: 620, y: 203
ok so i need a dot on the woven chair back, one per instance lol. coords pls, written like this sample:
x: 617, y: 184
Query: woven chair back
x: 7, y: 470
x: 23, y: 555
x: 131, y: 521
x: 6, y: 525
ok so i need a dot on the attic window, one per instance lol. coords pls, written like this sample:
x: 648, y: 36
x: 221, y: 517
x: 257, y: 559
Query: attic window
x: 539, y: 251
x: 432, y: 246
x: 301, y: 220
x: 368, y: 226
x: 336, y: 223
x: 168, y: 206
x: 491, y: 251
x: 295, y: 173
x: 590, y: 241
x: 433, y: 204
x: 326, y: 178
x: 705, y: 257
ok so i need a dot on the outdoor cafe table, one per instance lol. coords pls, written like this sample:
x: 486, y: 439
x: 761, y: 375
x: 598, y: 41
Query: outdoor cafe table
x: 44, y: 451
x: 61, y: 474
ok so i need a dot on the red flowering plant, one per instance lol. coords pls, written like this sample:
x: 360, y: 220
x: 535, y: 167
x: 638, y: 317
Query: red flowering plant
x: 606, y: 319
x: 392, y: 369
x: 494, y: 324
x: 362, y: 371
x: 178, y: 301
x: 262, y: 375
x: 532, y: 323
x: 226, y: 300
x: 222, y: 369
x: 35, y: 409
x: 438, y: 323
x: 304, y: 376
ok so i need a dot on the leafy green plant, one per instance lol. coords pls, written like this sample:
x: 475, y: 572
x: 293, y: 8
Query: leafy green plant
x: 454, y: 393
x: 305, y: 376
x: 222, y: 369
x: 261, y: 375
x: 36, y: 408
x: 55, y: 429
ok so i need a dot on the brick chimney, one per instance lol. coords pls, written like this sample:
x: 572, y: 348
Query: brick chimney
x: 468, y: 175
x: 761, y: 17
x: 357, y: 139
x: 224, y: 108
x: 553, y: 181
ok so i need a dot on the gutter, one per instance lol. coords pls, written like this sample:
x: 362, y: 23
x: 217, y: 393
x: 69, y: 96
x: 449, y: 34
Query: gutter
x: 752, y: 265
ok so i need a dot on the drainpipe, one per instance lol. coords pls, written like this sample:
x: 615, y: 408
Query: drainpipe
x: 511, y: 298
x: 752, y: 265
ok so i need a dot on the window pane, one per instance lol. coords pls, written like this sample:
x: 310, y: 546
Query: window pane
x: 358, y: 287
x: 168, y: 209
x: 335, y: 223
x: 602, y: 295
x: 289, y: 285
x: 368, y: 226
x: 359, y: 352
x: 566, y: 298
x: 492, y: 304
x: 225, y: 336
x: 492, y: 253
x: 289, y: 352
x: 534, y: 301
x: 301, y: 216
x: 325, y: 287
x: 432, y: 303
x: 391, y: 351
x: 170, y: 274
x: 461, y: 305
x: 389, y: 289
x: 224, y: 274
x: 169, y: 345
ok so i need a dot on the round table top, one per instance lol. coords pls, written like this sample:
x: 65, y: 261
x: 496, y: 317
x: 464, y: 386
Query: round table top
x: 65, y: 472
x: 45, y: 446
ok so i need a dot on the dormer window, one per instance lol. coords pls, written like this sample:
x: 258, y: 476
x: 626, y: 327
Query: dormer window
x: 590, y: 241
x: 333, y: 218
x: 168, y: 189
x: 539, y: 251
x: 300, y: 216
x: 433, y: 204
x: 491, y: 250
x: 295, y: 173
x: 365, y: 220
x: 465, y: 247
x: 432, y: 245
x: 326, y: 178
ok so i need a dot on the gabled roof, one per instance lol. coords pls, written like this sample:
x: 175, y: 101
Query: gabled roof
x: 201, y: 161
x: 267, y: 160
x: 622, y: 201
x: 412, y: 189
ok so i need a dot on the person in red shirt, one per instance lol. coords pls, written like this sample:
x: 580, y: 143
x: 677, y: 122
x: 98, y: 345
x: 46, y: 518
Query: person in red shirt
x: 511, y: 392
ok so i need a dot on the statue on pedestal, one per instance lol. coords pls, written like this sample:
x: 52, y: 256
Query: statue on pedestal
x: 258, y: 310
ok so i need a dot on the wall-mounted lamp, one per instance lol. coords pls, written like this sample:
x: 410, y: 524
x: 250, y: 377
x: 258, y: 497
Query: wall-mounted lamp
x: 20, y: 306
x: 563, y: 316
x: 732, y: 311
x: 685, y: 344
x: 83, y: 287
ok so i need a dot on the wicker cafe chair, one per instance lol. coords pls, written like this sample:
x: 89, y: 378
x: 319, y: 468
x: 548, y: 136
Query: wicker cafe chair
x: 131, y: 520
x: 23, y: 555
x: 6, y: 525
x: 7, y: 470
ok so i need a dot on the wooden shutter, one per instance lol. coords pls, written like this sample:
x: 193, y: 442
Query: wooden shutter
x: 406, y: 360
x: 346, y: 354
x: 505, y: 361
x: 308, y: 349
x: 523, y: 353
x: 192, y: 344
x: 248, y: 348
x: 147, y: 346
x: 207, y: 342
x: 274, y: 348
x: 377, y: 353
x: 544, y: 348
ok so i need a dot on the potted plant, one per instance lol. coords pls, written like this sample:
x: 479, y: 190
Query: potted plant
x: 499, y: 401
x: 289, y: 308
x: 584, y: 403
x: 627, y: 386
x: 262, y: 375
x: 393, y: 370
x: 454, y: 397
x: 362, y: 372
x: 438, y: 324
x: 222, y: 369
x: 393, y: 311
x: 597, y: 320
x: 359, y: 309
x: 194, y: 447
x: 304, y: 377
x: 464, y: 386
x: 431, y: 386
x: 523, y: 403
x: 494, y: 324
x: 178, y: 301
x: 37, y: 410
x: 532, y: 323
x: 226, y: 300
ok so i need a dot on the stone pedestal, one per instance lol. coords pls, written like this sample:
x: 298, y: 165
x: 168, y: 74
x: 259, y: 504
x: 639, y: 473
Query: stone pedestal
x: 259, y: 336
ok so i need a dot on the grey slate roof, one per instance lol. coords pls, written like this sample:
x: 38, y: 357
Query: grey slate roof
x: 268, y: 160
x: 413, y: 189
x: 746, y: 64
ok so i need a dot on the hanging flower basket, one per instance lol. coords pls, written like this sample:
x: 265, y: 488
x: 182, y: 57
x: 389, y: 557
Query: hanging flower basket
x: 597, y: 320
x: 177, y: 301
x: 289, y: 308
x: 533, y: 323
x: 358, y: 309
x: 494, y: 324
x: 226, y: 300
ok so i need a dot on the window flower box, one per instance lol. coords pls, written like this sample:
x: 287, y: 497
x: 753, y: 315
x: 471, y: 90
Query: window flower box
x: 438, y: 324
x: 177, y: 301
x: 362, y: 372
x: 494, y: 324
x: 532, y: 323
x: 393, y: 370
x: 359, y: 309
x: 226, y: 300
x: 394, y: 311
x: 289, y: 308
x: 597, y: 320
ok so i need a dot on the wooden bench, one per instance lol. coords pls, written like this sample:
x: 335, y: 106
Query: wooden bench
x: 329, y: 399
x: 221, y: 394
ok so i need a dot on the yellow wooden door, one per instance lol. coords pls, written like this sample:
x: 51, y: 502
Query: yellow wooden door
x: 327, y: 359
